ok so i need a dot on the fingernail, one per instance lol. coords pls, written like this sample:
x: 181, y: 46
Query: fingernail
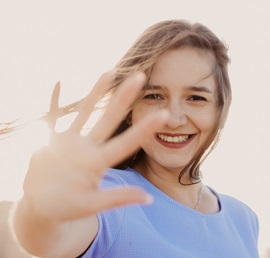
x: 149, y: 199
x: 139, y: 76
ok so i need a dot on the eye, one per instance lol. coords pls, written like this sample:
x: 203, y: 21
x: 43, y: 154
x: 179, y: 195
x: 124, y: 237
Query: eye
x: 197, y: 98
x: 153, y: 96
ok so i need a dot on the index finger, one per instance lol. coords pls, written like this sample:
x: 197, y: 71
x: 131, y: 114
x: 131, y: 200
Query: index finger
x: 88, y: 105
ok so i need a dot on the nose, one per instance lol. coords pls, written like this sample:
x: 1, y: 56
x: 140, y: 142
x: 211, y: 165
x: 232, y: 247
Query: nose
x: 178, y: 116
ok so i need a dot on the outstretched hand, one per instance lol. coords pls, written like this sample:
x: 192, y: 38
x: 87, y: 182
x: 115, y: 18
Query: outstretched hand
x: 63, y: 179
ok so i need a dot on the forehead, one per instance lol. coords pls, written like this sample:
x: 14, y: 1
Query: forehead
x: 184, y: 67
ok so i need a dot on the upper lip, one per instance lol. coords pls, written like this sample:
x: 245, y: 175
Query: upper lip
x: 174, y: 134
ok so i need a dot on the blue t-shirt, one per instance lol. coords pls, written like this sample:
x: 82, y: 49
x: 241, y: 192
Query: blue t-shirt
x: 167, y: 228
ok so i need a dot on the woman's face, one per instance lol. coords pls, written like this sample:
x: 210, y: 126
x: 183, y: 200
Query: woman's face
x: 181, y: 82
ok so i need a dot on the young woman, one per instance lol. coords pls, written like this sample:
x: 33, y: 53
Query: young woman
x: 169, y: 99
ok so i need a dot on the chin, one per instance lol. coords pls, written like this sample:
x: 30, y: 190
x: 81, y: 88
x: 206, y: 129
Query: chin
x: 174, y: 164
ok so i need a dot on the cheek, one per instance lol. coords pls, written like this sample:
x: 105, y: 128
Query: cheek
x: 206, y: 122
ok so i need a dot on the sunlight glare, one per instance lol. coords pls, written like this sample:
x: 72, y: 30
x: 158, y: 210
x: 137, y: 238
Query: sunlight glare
x: 37, y: 134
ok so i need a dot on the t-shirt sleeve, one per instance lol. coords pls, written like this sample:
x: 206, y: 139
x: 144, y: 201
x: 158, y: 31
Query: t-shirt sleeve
x: 243, y: 216
x: 256, y: 226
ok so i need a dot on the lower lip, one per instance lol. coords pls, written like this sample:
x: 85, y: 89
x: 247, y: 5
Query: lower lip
x: 174, y: 145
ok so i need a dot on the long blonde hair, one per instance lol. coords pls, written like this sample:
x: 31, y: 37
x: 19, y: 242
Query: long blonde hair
x: 10, y: 128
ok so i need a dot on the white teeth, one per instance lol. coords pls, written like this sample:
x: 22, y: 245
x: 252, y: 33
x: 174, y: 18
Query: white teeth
x: 175, y: 139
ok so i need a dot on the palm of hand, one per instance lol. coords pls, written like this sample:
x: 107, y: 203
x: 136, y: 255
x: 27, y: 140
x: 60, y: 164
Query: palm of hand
x: 63, y: 178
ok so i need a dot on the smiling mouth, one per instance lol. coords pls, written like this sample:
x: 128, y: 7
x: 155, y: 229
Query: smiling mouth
x: 174, y: 139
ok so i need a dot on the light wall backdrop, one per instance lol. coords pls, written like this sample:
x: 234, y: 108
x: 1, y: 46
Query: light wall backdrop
x: 42, y: 42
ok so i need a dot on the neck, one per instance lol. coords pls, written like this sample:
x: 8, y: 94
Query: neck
x: 166, y: 180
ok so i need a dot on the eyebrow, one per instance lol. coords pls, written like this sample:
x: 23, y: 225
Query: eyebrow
x: 190, y: 88
x: 152, y: 87
x: 199, y: 89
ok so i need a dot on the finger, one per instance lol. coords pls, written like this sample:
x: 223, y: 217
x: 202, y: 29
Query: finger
x: 120, y: 196
x: 112, y: 198
x: 88, y: 105
x: 125, y: 95
x: 54, y: 106
x: 122, y: 146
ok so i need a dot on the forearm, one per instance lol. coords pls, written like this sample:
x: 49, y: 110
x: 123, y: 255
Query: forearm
x: 46, y: 238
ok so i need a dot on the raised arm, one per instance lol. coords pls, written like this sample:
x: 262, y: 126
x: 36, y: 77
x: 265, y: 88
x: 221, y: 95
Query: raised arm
x: 56, y: 216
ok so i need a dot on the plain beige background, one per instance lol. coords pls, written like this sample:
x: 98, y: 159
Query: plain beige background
x: 43, y: 42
